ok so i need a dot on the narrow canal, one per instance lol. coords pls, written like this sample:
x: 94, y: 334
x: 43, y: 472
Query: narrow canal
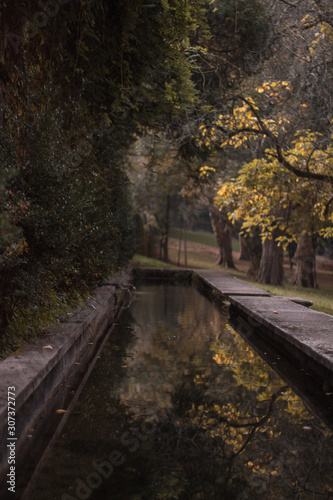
x: 180, y: 407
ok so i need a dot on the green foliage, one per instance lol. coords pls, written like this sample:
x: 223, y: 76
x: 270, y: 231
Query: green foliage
x: 76, y: 92
x: 27, y: 322
x: 238, y: 39
x: 69, y: 201
x: 133, y: 59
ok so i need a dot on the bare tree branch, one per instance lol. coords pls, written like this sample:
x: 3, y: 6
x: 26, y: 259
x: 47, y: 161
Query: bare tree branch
x: 289, y: 3
x: 264, y: 130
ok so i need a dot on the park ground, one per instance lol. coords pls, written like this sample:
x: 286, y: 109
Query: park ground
x: 202, y: 254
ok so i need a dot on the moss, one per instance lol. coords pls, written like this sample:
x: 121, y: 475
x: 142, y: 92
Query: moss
x: 30, y: 322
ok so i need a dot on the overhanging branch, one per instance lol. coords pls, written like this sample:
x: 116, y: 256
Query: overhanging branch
x: 265, y: 131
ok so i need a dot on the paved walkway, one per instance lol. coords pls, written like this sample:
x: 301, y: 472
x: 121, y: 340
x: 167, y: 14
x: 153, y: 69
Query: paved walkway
x: 228, y: 285
x: 308, y: 330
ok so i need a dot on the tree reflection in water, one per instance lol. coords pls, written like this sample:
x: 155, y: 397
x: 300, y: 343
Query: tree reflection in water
x: 195, y: 412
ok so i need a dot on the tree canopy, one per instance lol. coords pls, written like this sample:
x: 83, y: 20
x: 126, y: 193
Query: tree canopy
x: 276, y: 121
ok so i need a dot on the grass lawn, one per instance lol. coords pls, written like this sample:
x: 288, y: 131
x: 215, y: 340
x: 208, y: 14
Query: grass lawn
x: 195, y: 260
x: 142, y: 261
x: 202, y: 237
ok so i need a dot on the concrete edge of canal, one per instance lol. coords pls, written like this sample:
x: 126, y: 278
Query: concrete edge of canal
x: 303, y: 334
x: 45, y: 377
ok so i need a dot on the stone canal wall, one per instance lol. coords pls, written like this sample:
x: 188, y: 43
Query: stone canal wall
x: 43, y: 380
x: 303, y: 333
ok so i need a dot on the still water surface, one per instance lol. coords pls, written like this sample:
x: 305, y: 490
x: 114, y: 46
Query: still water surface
x: 180, y: 407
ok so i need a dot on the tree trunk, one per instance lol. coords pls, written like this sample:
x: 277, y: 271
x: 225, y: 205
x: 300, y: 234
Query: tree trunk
x: 291, y: 248
x: 271, y: 263
x: 254, y: 246
x: 164, y: 241
x: 223, y: 234
x: 179, y: 246
x: 244, y: 249
x: 305, y: 272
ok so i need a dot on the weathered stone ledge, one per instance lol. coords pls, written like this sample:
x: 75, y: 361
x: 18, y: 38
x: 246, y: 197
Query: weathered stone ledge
x: 303, y: 334
x: 48, y: 372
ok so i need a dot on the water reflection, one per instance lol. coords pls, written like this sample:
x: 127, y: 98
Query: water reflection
x: 180, y: 407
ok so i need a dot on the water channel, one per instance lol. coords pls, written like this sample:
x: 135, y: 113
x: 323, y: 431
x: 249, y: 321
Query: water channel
x: 179, y: 406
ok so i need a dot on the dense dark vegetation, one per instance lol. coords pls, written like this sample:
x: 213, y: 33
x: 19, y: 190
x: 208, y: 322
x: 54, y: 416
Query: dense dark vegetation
x: 79, y: 81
